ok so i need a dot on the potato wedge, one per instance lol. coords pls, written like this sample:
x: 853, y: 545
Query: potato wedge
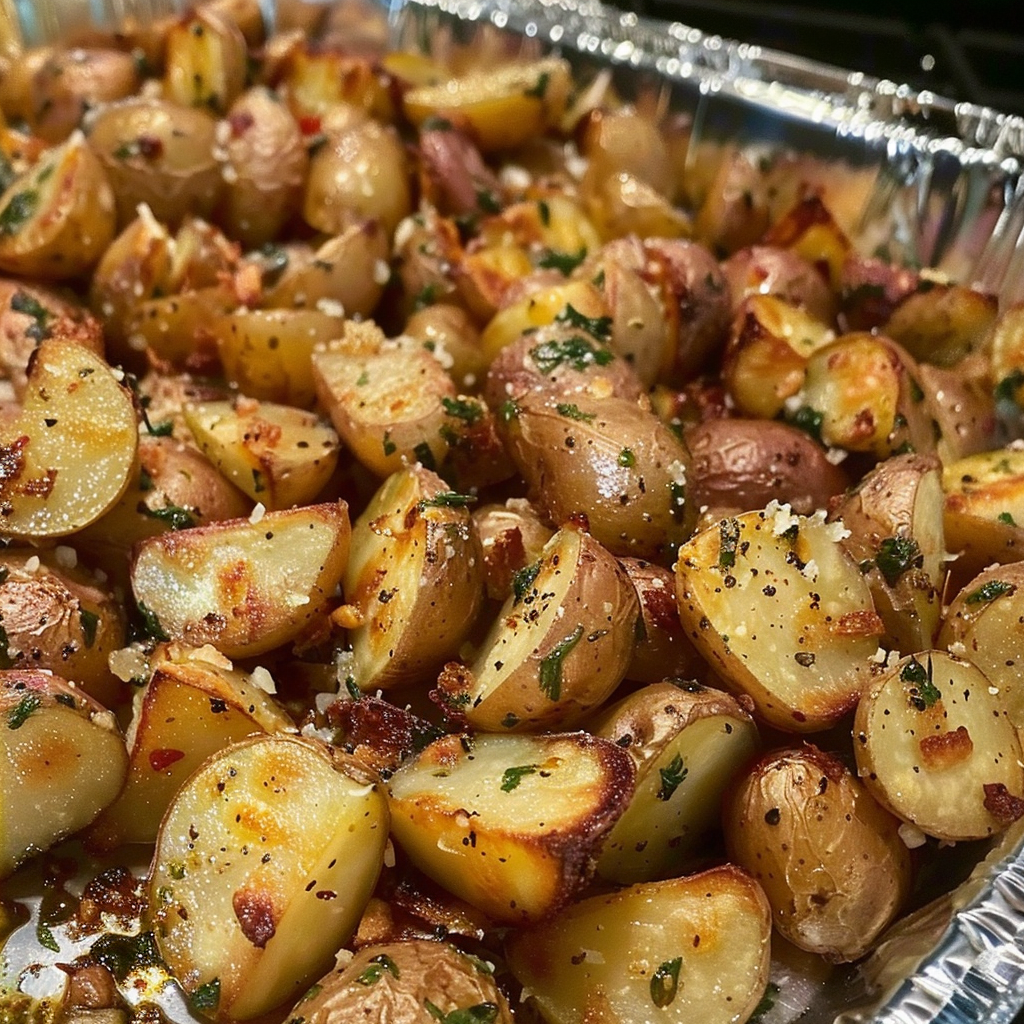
x: 243, y: 585
x: 984, y: 624
x: 782, y: 613
x: 381, y: 980
x: 694, y: 948
x: 57, y: 616
x: 262, y: 868
x: 937, y: 747
x: 500, y: 109
x: 57, y: 219
x: 558, y: 647
x: 894, y: 517
x: 205, y: 61
x: 62, y: 760
x: 277, y: 454
x: 688, y: 742
x: 830, y: 860
x: 195, y: 704
x: 414, y: 581
x: 268, y: 353
x: 68, y: 455
x: 510, y: 823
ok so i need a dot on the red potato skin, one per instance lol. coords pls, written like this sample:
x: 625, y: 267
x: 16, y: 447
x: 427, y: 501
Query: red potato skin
x: 767, y: 270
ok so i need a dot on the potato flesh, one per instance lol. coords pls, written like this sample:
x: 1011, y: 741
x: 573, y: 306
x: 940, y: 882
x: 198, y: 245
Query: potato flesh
x: 238, y: 584
x: 930, y: 737
x: 789, y: 622
x: 610, y: 958
x: 511, y: 824
x: 71, y: 451
x: 271, y: 851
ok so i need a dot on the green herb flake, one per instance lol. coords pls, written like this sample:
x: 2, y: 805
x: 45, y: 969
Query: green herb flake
x: 989, y: 592
x: 551, y: 664
x: 481, y: 1013
x: 426, y: 296
x: 19, y: 209
x: 206, y: 997
x: 123, y: 954
x: 897, y: 555
x: 545, y: 213
x: 364, y: 379
x: 1006, y: 390
x: 487, y: 201
x: 511, y: 777
x: 1007, y: 518
x: 23, y: 710
x: 626, y: 458
x: 312, y: 992
x: 665, y: 982
x: 671, y: 777
x: 565, y: 262
x: 165, y: 428
x: 45, y: 938
x: 729, y: 540
x: 89, y: 620
x: 424, y: 455
x: 22, y: 302
x: 576, y: 352
x: 376, y: 968
x: 508, y: 411
x: 463, y: 409
x: 771, y: 993
x: 524, y: 579
x: 923, y: 692
x: 447, y: 499
x: 916, y: 394
x: 808, y: 420
x: 151, y: 624
x: 258, y: 485
x: 541, y: 87
x: 574, y: 412
x: 389, y: 446
x: 599, y: 327
x: 174, y: 516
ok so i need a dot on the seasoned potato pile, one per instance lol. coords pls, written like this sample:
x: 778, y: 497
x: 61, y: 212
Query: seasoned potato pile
x: 496, y: 554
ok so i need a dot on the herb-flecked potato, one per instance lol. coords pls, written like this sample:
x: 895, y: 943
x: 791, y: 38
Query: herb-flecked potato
x: 693, y: 948
x: 688, y: 742
x: 936, y: 747
x: 62, y: 760
x: 558, y: 647
x: 413, y: 583
x: 782, y: 613
x: 264, y: 863
x: 405, y: 980
x: 511, y: 824
x: 830, y: 860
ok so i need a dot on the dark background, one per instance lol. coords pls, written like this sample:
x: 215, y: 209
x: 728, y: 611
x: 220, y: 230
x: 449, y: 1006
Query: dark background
x: 967, y: 50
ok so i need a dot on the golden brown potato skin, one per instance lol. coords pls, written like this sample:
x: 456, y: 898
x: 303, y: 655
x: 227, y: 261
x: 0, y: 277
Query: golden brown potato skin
x: 742, y: 464
x: 829, y: 858
x: 396, y: 981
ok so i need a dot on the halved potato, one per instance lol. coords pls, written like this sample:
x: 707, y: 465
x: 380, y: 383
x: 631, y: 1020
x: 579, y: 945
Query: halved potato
x: 62, y: 760
x: 984, y: 623
x: 195, y: 704
x: 264, y: 863
x: 937, y: 747
x: 689, y: 949
x: 558, y: 647
x: 782, y: 613
x: 206, y: 61
x: 688, y: 742
x: 58, y: 218
x: 894, y: 516
x: 68, y: 455
x: 414, y: 581
x: 277, y: 454
x: 810, y: 230
x: 243, y: 585
x: 500, y: 108
x: 510, y: 823
x: 512, y: 537
x: 831, y: 861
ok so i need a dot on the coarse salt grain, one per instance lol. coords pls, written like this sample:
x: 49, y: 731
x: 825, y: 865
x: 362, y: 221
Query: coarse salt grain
x: 261, y: 678
x: 258, y: 512
x: 912, y: 836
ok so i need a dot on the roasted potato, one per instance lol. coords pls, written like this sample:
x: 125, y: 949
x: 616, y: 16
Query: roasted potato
x: 831, y: 861
x: 512, y: 536
x: 764, y: 270
x: 205, y: 55
x: 937, y: 748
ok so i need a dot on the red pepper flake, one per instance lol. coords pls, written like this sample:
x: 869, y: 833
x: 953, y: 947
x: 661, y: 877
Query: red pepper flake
x: 164, y: 757
x: 309, y: 124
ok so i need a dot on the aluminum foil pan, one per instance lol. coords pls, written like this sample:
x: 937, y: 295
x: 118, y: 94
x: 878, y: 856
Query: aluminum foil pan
x: 935, y: 183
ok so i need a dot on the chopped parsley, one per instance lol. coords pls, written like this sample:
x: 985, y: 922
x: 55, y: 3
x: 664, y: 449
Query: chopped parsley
x: 565, y: 262
x: 541, y: 87
x: 508, y: 411
x: 151, y: 624
x: 989, y: 592
x: 122, y: 954
x: 576, y: 352
x: 463, y: 409
x: 729, y: 534
x: 22, y: 302
x: 551, y: 664
x: 19, y: 209
x: 671, y: 777
x: 574, y: 412
x: 511, y: 777
x: 481, y: 1013
x: 376, y: 968
x: 599, y: 327
x: 1007, y: 518
x: 923, y: 692
x: 808, y: 420
x: 23, y: 710
x: 389, y: 446
x: 1006, y: 390
x: 206, y: 997
x: 424, y: 455
x: 89, y: 620
x: 767, y: 1002
x: 45, y: 938
x: 897, y: 555
x: 447, y: 499
x: 524, y: 579
x: 545, y: 213
x: 426, y: 296
x: 162, y: 429
x: 487, y: 201
x: 174, y: 516
x: 665, y: 982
